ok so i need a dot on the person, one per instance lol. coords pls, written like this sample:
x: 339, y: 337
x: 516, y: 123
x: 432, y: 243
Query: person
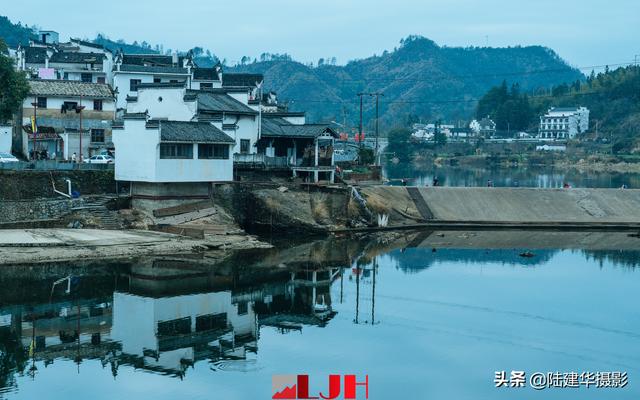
x: 404, y: 182
x: 566, y: 186
x: 435, y: 181
x: 624, y: 186
x: 73, y: 157
x: 489, y: 183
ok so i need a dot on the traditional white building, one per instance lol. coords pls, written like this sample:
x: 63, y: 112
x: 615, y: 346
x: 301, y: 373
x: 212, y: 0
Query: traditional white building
x: 53, y: 108
x: 485, y: 127
x: 563, y: 123
x: 6, y: 138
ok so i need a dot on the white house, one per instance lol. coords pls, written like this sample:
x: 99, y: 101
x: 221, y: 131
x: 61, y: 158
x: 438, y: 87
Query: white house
x: 563, y: 123
x: 130, y: 70
x: 53, y: 108
x: 161, y: 151
x: 485, y: 127
x: 6, y: 138
x: 76, y: 60
x: 167, y: 329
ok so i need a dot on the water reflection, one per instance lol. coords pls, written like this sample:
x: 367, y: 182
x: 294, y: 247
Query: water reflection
x: 177, y: 317
x: 540, y: 176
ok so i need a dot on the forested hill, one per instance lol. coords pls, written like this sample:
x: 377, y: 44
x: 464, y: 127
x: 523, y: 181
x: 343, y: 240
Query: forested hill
x: 419, y: 80
x: 14, y: 34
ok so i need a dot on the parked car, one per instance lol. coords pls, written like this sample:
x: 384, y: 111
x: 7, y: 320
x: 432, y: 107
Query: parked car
x: 7, y: 158
x: 99, y: 159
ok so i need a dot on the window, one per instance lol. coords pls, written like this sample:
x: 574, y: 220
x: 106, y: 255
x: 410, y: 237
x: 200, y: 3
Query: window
x: 157, y: 80
x: 42, y: 102
x: 210, y: 322
x: 97, y: 135
x: 85, y: 77
x: 69, y: 105
x: 206, y: 85
x: 97, y: 105
x: 101, y: 79
x: 174, y: 327
x: 133, y: 84
x: 243, y: 308
x: 213, y: 151
x: 244, y: 146
x: 173, y: 81
x: 176, y: 150
x: 65, y: 76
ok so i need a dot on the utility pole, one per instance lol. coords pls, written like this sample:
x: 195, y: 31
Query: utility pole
x: 360, y: 130
x: 377, y: 94
x: 34, y: 126
x: 79, y: 109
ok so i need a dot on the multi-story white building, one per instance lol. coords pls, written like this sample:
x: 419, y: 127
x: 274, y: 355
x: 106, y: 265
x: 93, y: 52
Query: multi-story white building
x: 57, y: 109
x: 564, y: 123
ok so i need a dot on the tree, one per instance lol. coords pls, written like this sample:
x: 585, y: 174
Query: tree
x: 400, y: 143
x: 13, y: 87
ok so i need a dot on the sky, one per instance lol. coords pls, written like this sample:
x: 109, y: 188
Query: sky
x: 585, y: 33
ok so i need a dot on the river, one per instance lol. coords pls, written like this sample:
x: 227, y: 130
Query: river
x: 542, y: 177
x: 428, y: 315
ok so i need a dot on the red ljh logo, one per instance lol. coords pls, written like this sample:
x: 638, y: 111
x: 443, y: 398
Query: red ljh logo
x: 296, y: 387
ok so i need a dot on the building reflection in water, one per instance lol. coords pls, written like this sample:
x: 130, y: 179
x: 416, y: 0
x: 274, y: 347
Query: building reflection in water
x: 161, y: 316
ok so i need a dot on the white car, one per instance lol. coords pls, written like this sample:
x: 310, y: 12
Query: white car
x: 99, y: 159
x: 7, y: 158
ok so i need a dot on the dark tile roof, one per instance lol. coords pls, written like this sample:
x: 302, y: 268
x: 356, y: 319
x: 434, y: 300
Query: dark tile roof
x: 35, y: 55
x: 236, y: 80
x: 89, y: 44
x: 156, y: 69
x: 213, y: 102
x: 284, y: 114
x: 278, y: 127
x: 52, y: 87
x: 147, y: 59
x: 205, y: 74
x: 192, y: 132
x: 77, y: 57
x: 138, y: 115
x: 165, y: 85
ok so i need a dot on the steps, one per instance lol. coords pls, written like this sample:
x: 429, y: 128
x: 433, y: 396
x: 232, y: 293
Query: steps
x: 97, y: 207
x: 421, y: 205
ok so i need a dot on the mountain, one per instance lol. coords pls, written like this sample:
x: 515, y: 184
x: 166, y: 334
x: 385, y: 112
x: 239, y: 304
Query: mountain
x: 14, y: 34
x: 420, y: 80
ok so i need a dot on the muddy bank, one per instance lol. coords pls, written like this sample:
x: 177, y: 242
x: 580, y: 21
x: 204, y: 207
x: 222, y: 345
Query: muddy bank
x: 32, y: 246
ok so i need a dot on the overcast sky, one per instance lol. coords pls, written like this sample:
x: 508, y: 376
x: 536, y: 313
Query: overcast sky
x: 587, y: 32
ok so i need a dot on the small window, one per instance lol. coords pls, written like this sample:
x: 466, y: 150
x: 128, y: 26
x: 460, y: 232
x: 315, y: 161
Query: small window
x: 173, y: 81
x: 85, y: 77
x: 213, y: 151
x: 243, y: 308
x: 65, y: 76
x: 157, y: 80
x: 101, y: 79
x: 174, y: 327
x: 97, y: 135
x: 69, y: 106
x: 42, y: 102
x: 244, y: 146
x: 176, y: 150
x: 133, y: 84
x: 210, y: 322
x: 208, y: 85
x: 97, y: 105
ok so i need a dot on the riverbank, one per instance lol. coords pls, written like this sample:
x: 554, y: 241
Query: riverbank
x: 32, y: 246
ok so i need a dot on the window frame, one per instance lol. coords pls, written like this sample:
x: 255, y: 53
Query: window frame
x: 173, y: 149
x: 213, y: 151
x: 95, y: 133
x: 133, y: 84
x: 84, y: 75
x: 245, y: 143
x: 98, y: 104
x: 40, y: 100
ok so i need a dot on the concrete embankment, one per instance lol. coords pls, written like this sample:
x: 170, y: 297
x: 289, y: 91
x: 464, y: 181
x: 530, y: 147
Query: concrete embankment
x: 506, y: 206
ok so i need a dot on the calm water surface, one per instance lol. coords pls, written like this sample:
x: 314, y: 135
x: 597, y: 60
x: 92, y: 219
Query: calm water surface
x: 542, y: 177
x: 436, y: 324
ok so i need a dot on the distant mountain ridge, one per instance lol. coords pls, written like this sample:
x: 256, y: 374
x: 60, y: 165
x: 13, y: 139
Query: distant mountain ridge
x: 420, y: 80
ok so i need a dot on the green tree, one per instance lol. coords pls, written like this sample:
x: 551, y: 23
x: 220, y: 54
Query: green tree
x: 400, y: 143
x: 13, y: 86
